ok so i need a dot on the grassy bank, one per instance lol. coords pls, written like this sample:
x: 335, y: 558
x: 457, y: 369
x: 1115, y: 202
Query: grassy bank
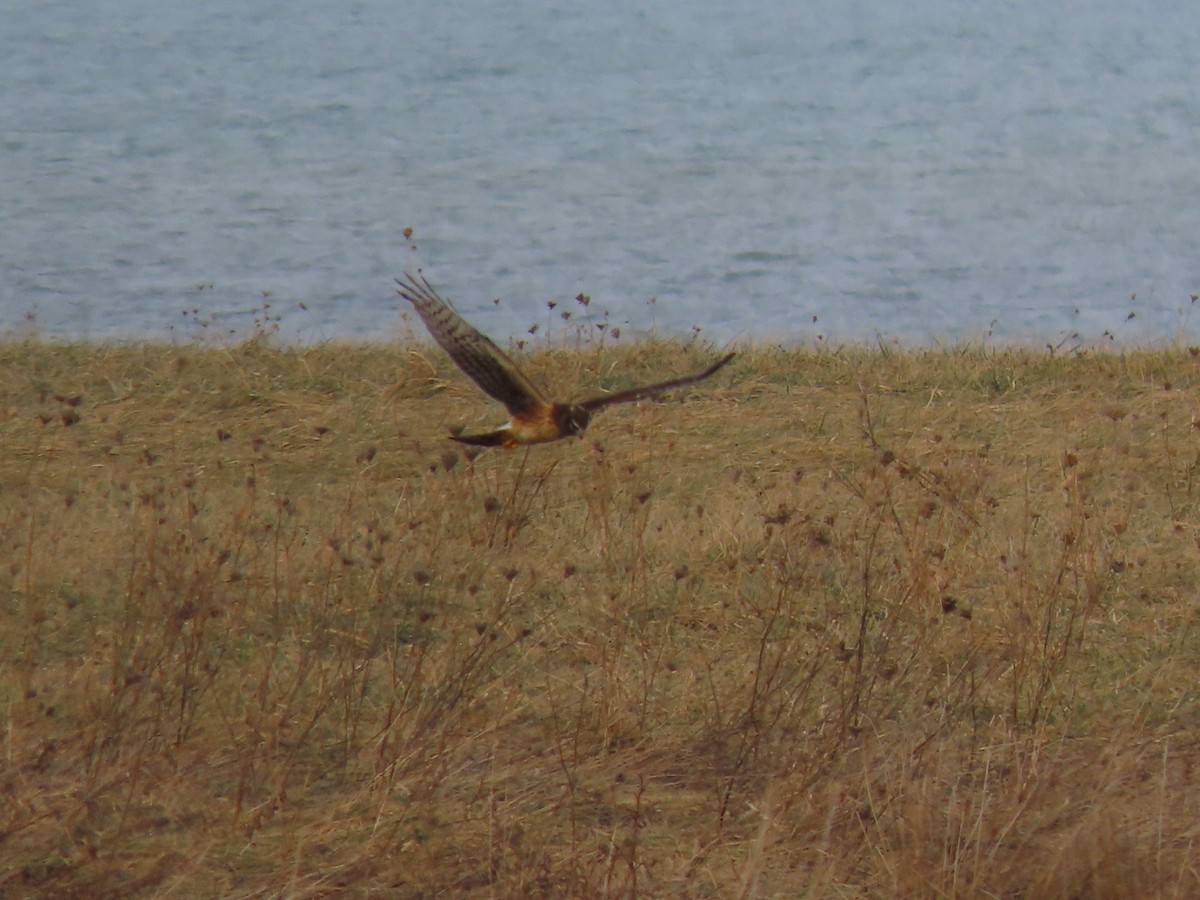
x: 844, y: 624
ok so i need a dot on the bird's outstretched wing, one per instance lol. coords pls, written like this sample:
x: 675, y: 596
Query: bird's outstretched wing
x: 472, y: 351
x: 641, y: 393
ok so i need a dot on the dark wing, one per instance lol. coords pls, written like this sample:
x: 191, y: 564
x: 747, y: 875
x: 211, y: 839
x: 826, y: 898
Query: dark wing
x: 641, y: 393
x: 472, y: 351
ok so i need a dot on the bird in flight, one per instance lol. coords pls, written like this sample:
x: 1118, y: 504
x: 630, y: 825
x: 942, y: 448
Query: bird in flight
x: 535, y: 419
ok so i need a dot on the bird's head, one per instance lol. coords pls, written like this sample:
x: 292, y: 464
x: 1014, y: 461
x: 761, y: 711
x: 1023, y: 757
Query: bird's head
x: 572, y: 419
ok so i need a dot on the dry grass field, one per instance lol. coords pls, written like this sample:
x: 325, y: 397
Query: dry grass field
x: 854, y: 622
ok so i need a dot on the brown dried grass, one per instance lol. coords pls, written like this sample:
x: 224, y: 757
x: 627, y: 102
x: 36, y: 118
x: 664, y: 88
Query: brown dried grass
x: 848, y: 623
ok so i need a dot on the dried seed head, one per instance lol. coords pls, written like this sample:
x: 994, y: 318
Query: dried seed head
x: 782, y: 516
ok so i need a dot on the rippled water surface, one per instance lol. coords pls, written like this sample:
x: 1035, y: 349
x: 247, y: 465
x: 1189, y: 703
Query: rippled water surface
x: 931, y: 172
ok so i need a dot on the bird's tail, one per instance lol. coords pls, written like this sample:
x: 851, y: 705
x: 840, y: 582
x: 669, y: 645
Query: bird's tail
x: 490, y: 439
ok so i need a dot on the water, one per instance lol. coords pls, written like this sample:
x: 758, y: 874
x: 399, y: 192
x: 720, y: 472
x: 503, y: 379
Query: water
x: 930, y: 172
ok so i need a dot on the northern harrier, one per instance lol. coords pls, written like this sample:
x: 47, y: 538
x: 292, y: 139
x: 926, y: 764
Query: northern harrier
x: 535, y: 420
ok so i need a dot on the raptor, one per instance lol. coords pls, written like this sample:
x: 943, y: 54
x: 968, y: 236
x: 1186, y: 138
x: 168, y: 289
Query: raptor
x: 534, y: 418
